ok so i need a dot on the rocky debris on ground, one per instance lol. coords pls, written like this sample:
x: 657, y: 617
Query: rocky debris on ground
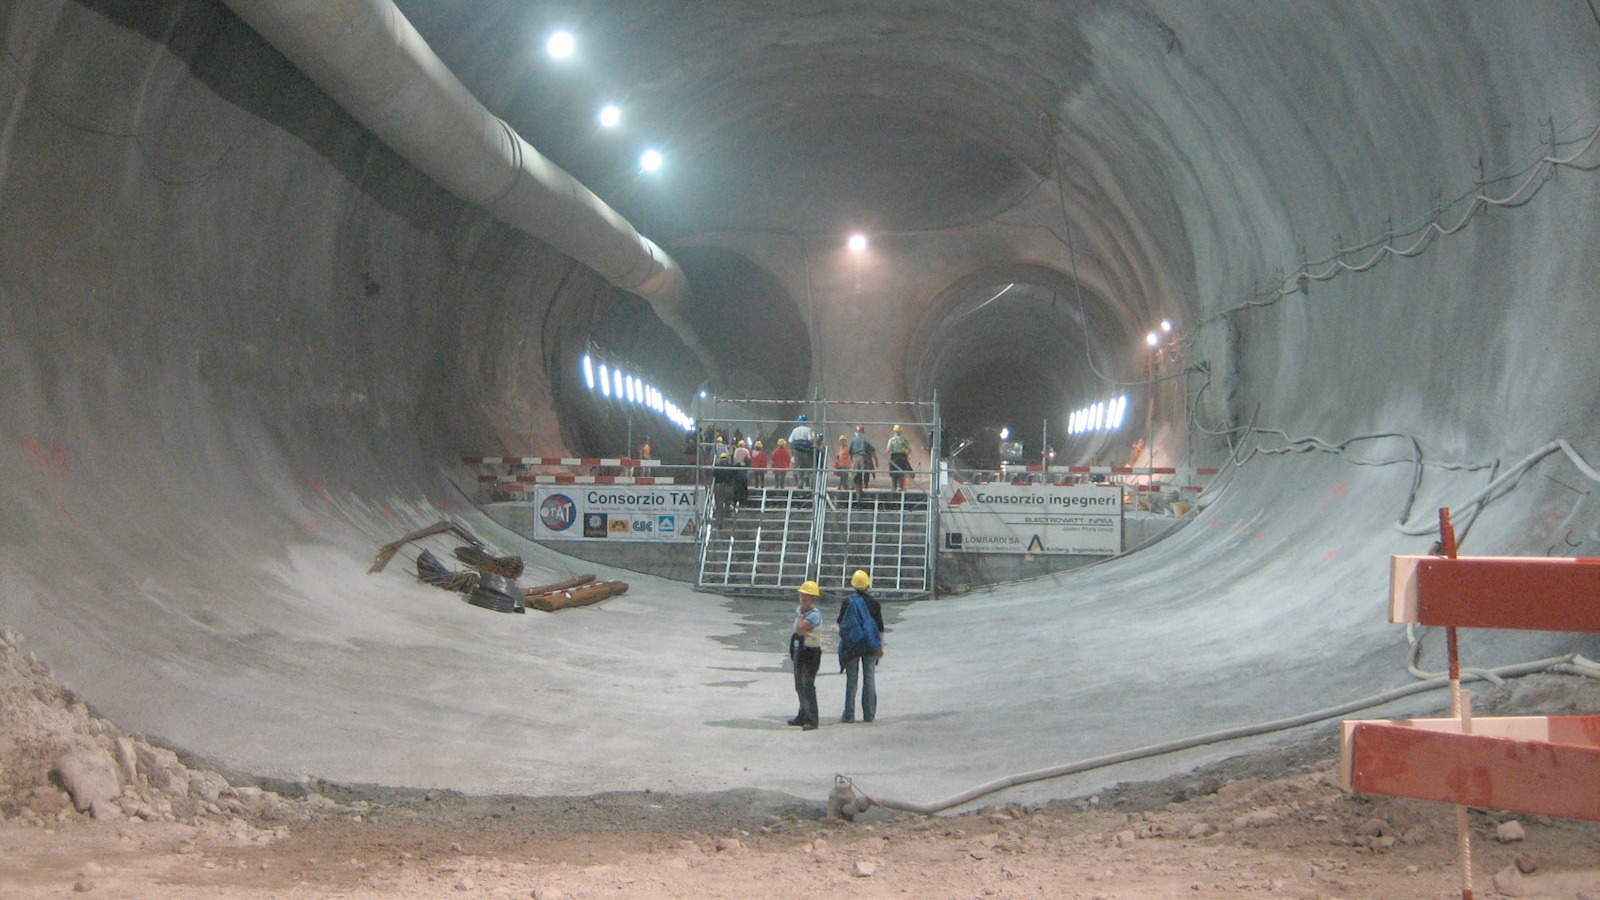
x: 1274, y: 823
x: 60, y: 762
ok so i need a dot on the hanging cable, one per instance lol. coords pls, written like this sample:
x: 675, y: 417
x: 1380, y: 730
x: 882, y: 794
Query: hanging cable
x: 1049, y: 122
x: 1533, y: 179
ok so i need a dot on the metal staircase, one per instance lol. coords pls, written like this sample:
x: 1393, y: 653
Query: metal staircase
x: 777, y: 539
x: 883, y: 532
x: 764, y: 544
x: 780, y: 537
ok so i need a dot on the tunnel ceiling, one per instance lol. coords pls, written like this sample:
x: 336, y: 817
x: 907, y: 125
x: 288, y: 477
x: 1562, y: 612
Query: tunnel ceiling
x: 245, y: 344
x: 778, y: 114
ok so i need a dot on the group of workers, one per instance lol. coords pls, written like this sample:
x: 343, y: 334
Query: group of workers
x: 854, y: 463
x: 861, y: 630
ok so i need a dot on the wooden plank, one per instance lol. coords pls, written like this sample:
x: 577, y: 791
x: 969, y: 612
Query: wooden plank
x: 1432, y: 760
x: 1522, y: 593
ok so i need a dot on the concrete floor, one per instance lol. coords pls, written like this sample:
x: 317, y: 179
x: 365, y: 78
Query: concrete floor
x: 242, y: 344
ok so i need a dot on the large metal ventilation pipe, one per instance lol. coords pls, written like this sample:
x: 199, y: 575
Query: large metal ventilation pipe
x: 367, y: 56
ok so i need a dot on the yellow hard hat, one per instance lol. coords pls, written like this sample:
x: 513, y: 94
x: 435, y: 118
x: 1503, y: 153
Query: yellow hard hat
x: 782, y: 442
x: 843, y: 438
x: 758, y: 445
x: 861, y: 580
x: 897, y: 428
x: 810, y: 588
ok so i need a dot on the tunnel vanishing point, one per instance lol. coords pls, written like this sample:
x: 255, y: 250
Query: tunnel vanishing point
x: 268, y: 268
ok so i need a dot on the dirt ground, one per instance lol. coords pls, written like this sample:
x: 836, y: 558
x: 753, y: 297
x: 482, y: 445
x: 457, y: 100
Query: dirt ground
x: 1274, y: 823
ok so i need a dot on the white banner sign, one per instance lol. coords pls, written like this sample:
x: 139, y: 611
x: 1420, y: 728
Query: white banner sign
x: 1080, y: 519
x: 576, y: 512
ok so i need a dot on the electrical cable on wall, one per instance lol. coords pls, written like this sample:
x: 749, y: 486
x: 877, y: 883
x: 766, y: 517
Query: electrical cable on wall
x: 1533, y: 180
x: 1048, y: 120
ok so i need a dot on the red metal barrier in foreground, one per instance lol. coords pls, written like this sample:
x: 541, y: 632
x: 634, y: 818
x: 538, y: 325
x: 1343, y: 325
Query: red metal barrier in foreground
x: 1545, y: 765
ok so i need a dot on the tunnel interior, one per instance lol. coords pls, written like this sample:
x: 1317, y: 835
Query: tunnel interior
x: 1011, y: 354
x: 246, y: 342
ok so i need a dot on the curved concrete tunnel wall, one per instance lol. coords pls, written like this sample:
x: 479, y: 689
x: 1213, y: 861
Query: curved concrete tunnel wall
x: 242, y: 340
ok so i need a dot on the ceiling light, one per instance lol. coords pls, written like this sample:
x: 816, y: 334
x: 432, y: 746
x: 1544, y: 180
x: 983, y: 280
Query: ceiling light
x: 610, y: 115
x: 1166, y: 325
x: 1152, y: 339
x: 560, y: 45
x: 857, y: 242
x: 650, y: 161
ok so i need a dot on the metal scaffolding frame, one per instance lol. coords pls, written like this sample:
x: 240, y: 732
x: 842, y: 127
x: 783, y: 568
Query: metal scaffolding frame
x: 809, y: 529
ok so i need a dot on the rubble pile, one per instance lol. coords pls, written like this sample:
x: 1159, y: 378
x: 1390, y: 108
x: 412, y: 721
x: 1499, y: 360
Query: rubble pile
x: 59, y: 762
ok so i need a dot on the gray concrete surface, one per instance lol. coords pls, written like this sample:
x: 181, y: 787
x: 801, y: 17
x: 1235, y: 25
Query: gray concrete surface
x: 242, y: 344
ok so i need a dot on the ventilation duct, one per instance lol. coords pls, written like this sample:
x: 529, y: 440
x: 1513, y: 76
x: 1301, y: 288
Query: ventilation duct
x: 367, y: 56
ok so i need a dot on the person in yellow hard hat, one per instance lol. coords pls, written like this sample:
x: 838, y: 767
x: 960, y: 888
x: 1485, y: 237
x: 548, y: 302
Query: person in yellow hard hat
x: 860, y: 647
x: 725, y: 479
x: 805, y: 651
x: 758, y: 466
x: 899, y: 459
x: 782, y: 459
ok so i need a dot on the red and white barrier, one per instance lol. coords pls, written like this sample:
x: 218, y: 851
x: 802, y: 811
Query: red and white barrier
x: 574, y: 479
x: 557, y: 461
x: 1187, y: 474
x: 1111, y: 470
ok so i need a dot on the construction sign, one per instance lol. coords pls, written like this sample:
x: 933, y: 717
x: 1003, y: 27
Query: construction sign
x: 577, y: 512
x: 1078, y: 519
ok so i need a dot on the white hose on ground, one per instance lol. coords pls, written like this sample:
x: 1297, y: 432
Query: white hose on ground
x: 1571, y: 663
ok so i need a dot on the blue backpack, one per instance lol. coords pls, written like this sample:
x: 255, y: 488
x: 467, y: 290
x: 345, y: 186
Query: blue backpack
x: 858, y: 631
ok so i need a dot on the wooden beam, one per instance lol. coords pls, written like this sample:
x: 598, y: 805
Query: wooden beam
x: 1523, y: 593
x: 1544, y: 765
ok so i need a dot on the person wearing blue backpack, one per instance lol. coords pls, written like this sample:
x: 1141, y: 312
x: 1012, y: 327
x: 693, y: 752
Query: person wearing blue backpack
x: 860, y: 647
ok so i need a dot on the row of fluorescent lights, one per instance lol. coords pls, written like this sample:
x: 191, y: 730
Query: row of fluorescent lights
x: 1103, y: 416
x: 615, y: 384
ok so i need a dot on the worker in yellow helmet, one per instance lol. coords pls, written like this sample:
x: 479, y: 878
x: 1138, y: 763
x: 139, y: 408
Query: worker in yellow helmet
x: 899, y: 459
x: 758, y: 466
x: 805, y: 651
x: 860, y: 647
x: 782, y: 459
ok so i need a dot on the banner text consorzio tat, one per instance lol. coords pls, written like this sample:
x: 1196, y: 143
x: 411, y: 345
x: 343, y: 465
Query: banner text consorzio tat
x: 643, y: 513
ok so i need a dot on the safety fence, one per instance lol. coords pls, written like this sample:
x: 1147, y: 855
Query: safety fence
x: 759, y: 529
x: 510, y: 477
x: 1171, y: 478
